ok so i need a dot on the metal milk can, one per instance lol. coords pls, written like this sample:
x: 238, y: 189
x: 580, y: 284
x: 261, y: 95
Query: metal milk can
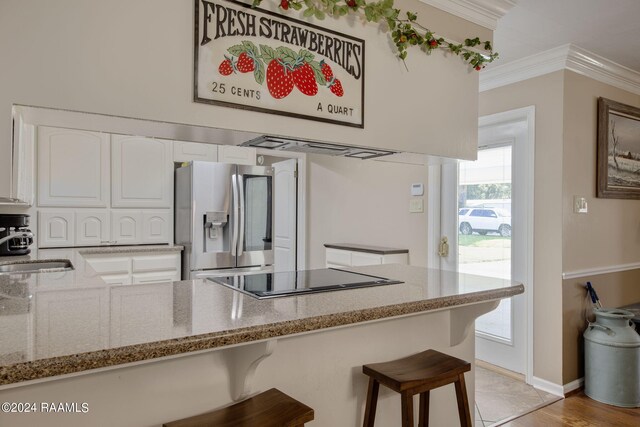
x: 612, y: 359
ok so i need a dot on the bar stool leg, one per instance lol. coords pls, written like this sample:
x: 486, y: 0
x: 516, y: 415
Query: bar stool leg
x: 372, y: 402
x: 423, y: 421
x: 407, y: 409
x: 463, y: 402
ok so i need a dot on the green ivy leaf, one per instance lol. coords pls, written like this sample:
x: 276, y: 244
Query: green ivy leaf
x: 267, y: 53
x: 258, y: 74
x: 306, y: 55
x: 237, y: 50
x: 309, y: 12
x: 287, y: 55
x: 319, y: 14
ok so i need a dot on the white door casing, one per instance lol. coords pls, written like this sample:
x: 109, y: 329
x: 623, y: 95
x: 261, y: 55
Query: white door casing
x: 284, y: 230
x: 443, y: 200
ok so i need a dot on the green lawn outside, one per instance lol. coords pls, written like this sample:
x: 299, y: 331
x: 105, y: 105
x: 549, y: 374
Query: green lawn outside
x: 477, y: 240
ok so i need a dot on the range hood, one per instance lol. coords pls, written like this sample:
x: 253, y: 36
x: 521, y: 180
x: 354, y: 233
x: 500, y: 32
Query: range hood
x: 315, y: 147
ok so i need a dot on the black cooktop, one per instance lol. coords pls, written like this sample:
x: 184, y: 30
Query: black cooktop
x: 288, y: 283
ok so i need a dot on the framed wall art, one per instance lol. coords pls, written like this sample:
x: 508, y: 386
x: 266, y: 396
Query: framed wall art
x: 618, y: 173
x: 258, y: 60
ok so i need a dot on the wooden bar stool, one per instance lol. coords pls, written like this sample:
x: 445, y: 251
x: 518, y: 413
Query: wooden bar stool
x: 272, y: 408
x: 417, y: 374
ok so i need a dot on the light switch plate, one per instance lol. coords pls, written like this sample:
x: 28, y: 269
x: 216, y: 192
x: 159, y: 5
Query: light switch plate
x: 580, y: 205
x: 416, y: 205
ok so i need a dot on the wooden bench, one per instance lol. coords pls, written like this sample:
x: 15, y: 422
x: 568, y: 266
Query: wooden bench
x: 272, y: 408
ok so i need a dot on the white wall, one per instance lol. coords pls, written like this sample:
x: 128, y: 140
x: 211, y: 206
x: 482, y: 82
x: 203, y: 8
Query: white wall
x: 135, y: 59
x: 365, y: 202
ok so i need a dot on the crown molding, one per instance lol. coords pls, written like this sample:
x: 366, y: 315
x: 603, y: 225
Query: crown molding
x: 565, y: 57
x: 481, y: 12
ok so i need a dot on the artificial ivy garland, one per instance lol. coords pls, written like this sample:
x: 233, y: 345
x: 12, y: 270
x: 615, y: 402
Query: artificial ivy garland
x: 404, y: 32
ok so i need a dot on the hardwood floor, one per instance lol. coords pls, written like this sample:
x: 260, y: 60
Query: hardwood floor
x: 581, y: 411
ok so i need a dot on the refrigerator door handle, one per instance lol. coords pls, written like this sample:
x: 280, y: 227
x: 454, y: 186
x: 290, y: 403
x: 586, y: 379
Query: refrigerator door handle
x: 234, y: 235
x: 242, y: 212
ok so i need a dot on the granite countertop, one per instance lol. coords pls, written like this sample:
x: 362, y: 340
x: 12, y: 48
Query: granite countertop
x: 186, y: 316
x: 380, y: 250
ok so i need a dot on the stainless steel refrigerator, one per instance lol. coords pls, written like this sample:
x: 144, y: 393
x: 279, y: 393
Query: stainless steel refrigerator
x: 224, y: 218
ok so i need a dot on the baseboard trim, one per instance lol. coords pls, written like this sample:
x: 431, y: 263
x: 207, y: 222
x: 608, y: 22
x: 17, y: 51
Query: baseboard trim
x: 548, y: 386
x: 573, y: 385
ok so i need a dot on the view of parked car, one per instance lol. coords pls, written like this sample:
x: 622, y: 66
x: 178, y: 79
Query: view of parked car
x: 484, y: 220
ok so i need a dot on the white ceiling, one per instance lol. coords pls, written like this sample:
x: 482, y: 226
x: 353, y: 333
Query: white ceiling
x: 609, y: 28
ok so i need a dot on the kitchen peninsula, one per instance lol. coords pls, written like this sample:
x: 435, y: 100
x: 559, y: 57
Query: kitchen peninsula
x: 211, y: 345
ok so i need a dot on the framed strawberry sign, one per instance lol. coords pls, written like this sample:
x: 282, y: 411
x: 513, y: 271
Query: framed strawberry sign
x: 259, y: 60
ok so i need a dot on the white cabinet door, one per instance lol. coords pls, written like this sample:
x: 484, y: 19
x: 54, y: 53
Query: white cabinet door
x: 237, y: 155
x: 72, y: 321
x: 73, y: 168
x: 92, y: 227
x: 156, y: 226
x: 55, y: 229
x: 126, y: 227
x: 189, y: 151
x: 142, y: 172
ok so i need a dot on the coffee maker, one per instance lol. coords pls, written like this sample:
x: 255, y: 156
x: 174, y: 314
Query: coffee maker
x: 15, y: 237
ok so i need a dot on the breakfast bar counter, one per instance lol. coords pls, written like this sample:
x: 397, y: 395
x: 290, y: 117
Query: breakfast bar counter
x: 210, y: 345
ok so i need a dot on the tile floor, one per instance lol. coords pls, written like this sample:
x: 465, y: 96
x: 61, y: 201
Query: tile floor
x: 499, y: 397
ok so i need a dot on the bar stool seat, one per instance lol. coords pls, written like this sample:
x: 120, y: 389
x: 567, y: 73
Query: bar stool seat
x: 272, y: 408
x: 417, y: 374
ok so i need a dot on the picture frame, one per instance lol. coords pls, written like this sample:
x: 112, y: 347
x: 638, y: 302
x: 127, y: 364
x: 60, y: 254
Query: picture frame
x: 618, y: 145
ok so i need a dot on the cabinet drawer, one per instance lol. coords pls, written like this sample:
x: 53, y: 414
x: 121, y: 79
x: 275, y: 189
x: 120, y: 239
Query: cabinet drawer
x: 110, y: 265
x: 338, y: 257
x: 363, y: 258
x: 156, y: 277
x: 116, y: 279
x: 143, y: 264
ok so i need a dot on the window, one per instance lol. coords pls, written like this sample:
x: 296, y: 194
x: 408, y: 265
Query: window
x: 477, y: 212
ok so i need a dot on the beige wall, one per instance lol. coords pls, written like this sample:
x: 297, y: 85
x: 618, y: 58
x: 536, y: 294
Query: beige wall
x: 366, y: 202
x: 545, y: 93
x: 608, y: 235
x: 135, y: 59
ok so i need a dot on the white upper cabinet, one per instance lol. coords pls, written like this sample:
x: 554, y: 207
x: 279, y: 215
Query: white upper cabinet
x: 156, y: 226
x: 73, y: 168
x: 126, y: 227
x: 92, y: 227
x: 55, y: 229
x: 142, y: 172
x: 237, y: 155
x: 189, y: 151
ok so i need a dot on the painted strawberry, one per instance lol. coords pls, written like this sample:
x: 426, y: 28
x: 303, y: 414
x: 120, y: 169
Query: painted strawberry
x: 336, y: 88
x: 225, y: 67
x: 327, y: 72
x: 284, y: 4
x: 305, y: 80
x: 433, y: 43
x: 279, y: 79
x: 245, y: 63
x: 478, y: 68
x: 351, y: 3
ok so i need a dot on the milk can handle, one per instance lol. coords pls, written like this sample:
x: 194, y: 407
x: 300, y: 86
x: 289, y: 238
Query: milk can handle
x: 609, y: 331
x: 632, y: 324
